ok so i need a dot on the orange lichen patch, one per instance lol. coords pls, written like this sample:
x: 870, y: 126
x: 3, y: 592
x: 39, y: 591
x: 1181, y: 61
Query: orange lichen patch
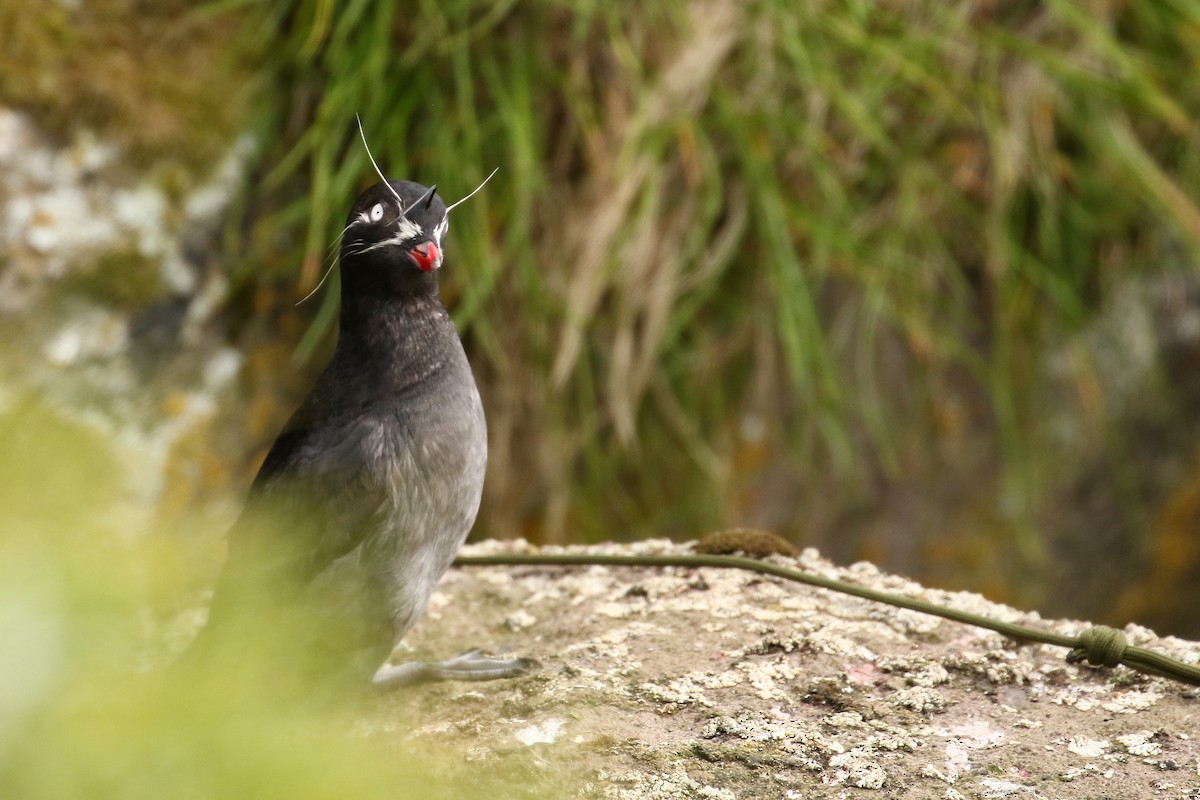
x: 1170, y: 588
x: 1176, y: 549
x: 175, y: 403
x: 195, y: 473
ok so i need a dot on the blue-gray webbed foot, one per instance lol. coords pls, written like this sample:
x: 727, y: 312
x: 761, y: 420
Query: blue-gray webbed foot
x: 473, y: 665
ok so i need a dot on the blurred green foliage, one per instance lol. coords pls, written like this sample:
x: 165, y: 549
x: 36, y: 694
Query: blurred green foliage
x: 91, y: 706
x: 723, y: 229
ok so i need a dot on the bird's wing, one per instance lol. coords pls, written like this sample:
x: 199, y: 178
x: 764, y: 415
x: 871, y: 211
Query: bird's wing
x: 314, y: 498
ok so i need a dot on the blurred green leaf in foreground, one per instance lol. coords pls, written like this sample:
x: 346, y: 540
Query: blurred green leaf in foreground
x: 84, y: 712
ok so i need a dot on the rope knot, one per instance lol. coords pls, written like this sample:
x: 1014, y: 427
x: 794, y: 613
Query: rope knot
x: 1100, y: 645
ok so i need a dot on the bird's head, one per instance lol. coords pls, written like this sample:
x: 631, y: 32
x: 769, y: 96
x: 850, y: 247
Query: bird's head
x: 399, y: 222
x: 393, y: 239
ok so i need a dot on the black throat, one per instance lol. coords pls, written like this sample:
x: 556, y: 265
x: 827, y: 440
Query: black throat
x: 395, y: 332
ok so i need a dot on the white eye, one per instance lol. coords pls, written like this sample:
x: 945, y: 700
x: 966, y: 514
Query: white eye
x: 377, y: 212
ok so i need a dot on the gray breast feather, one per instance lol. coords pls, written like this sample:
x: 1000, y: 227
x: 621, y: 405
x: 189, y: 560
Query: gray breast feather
x: 432, y: 486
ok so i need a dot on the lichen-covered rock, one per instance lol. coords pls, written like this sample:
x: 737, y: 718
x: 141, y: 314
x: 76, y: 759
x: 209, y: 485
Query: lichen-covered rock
x: 665, y: 683
x: 107, y: 295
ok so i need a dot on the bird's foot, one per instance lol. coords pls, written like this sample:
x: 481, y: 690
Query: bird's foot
x: 473, y: 665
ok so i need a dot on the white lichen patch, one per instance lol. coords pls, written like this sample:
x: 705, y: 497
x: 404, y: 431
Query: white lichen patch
x: 1104, y: 698
x: 930, y: 771
x: 1081, y: 697
x: 793, y: 736
x: 1140, y: 744
x: 893, y: 741
x: 584, y: 586
x: 1131, y: 702
x: 592, y: 682
x: 545, y: 733
x: 674, y: 784
x: 856, y: 768
x: 432, y: 729
x: 688, y: 689
x: 1000, y: 667
x: 1075, y: 773
x: 920, y: 699
x: 932, y: 674
x: 957, y: 761
x: 617, y: 610
x: 519, y: 620
x: 92, y: 333
x: 914, y: 622
x: 845, y: 719
x: 835, y: 642
x: 996, y: 789
x: 768, y: 614
x: 1088, y: 748
x: 634, y: 630
x: 975, y: 735
x: 771, y: 681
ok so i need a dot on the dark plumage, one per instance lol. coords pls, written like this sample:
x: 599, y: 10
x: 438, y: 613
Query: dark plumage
x: 374, y: 482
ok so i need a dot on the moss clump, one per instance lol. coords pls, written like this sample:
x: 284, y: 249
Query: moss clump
x: 157, y: 79
x: 755, y: 544
x: 121, y: 279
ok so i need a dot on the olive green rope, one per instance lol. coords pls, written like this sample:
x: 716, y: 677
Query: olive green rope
x: 1098, y: 645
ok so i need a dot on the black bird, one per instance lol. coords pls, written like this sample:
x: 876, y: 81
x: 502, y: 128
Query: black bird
x: 371, y: 488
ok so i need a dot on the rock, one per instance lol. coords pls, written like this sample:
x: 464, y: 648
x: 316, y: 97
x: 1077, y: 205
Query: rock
x: 106, y: 308
x: 664, y: 683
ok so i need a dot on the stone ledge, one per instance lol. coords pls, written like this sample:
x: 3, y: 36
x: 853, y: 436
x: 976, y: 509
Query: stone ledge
x: 665, y: 683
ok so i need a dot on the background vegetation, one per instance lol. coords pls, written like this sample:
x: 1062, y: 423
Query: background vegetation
x: 832, y: 268
x: 909, y: 281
